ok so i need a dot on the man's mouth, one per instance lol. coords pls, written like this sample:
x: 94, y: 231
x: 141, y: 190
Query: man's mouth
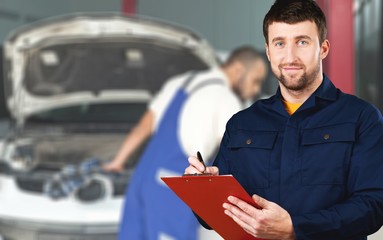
x: 292, y: 68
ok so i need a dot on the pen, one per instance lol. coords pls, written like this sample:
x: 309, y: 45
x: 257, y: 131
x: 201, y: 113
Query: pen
x: 199, y: 156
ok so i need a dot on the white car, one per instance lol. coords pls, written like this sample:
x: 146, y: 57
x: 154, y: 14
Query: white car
x: 75, y: 85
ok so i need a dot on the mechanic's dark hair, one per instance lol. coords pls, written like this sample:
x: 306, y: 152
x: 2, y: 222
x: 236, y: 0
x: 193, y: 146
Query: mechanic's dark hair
x: 295, y: 11
x: 246, y: 55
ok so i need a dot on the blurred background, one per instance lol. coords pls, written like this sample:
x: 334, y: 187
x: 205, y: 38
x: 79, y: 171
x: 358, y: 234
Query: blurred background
x: 354, y: 63
x: 354, y: 25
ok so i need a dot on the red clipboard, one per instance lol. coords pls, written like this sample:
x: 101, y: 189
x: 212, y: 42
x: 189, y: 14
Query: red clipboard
x: 205, y: 195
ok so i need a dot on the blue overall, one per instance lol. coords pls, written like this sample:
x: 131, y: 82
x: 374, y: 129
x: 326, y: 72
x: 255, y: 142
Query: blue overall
x: 152, y: 210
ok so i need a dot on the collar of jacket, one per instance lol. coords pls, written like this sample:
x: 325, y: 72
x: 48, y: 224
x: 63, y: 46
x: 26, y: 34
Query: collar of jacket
x: 325, y: 93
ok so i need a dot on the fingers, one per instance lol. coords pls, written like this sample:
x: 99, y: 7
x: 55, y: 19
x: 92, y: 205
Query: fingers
x: 242, y: 213
x: 239, y: 206
x: 235, y: 212
x: 261, y: 202
x: 241, y: 223
x: 193, y: 161
x: 270, y: 222
x: 110, y: 167
x: 212, y: 170
x: 196, y: 167
x: 106, y: 167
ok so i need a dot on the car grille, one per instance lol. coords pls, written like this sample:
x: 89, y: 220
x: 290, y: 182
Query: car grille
x: 36, y: 185
x: 23, y: 230
x: 55, y: 236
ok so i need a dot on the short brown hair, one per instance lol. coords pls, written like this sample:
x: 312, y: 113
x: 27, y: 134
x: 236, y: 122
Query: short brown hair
x: 246, y: 55
x: 295, y: 11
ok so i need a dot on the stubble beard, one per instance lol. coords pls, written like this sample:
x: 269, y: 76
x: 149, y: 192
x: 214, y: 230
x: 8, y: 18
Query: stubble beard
x: 297, y: 83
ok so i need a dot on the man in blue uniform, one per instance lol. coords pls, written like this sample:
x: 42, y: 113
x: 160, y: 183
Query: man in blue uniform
x: 311, y: 156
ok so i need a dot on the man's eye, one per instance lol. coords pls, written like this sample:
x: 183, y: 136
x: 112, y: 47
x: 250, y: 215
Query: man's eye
x: 303, y: 43
x: 279, y: 44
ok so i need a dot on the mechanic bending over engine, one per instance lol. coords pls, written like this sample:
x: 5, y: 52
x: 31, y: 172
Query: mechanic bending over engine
x: 188, y: 114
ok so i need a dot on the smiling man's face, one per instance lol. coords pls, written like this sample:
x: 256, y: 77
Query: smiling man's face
x: 296, y: 54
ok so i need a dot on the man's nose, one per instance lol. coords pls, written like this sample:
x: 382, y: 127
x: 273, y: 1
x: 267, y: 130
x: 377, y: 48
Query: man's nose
x: 291, y: 53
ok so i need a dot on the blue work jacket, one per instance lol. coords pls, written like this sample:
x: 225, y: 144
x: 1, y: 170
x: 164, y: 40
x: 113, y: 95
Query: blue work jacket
x: 323, y: 164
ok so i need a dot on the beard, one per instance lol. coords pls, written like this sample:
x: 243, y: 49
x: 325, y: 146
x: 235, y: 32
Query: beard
x: 297, y: 82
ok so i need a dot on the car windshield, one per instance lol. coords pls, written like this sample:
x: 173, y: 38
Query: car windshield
x: 92, y: 113
x: 97, y: 65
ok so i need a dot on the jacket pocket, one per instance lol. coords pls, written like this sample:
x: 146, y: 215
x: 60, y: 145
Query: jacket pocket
x: 325, y: 153
x: 250, y: 153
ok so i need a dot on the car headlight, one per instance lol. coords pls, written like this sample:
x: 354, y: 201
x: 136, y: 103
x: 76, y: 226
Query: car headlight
x: 22, y: 158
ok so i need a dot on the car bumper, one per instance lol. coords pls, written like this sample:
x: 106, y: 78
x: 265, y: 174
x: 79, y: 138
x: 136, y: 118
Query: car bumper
x: 25, y: 216
x: 27, y: 230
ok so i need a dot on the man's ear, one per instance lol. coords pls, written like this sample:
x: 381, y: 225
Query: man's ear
x: 325, y: 49
x: 267, y: 51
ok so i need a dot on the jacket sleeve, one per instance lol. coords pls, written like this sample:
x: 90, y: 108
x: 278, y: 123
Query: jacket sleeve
x: 361, y: 213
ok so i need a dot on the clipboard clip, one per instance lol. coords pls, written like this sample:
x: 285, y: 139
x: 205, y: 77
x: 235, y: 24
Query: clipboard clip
x: 197, y: 174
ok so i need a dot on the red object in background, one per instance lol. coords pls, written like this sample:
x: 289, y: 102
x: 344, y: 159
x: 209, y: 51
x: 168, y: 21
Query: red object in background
x: 339, y: 65
x: 129, y: 7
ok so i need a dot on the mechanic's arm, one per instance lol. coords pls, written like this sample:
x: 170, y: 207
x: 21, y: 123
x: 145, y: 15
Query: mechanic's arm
x: 362, y: 213
x: 135, y: 138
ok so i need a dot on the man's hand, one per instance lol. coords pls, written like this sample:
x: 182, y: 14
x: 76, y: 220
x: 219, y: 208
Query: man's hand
x: 133, y: 141
x: 197, y: 167
x: 113, y: 166
x: 269, y: 222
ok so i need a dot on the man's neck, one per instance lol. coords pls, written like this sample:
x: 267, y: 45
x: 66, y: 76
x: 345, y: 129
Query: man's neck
x: 300, y: 96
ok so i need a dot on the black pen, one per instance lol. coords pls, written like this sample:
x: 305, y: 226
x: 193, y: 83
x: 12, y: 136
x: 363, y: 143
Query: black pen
x: 199, y: 156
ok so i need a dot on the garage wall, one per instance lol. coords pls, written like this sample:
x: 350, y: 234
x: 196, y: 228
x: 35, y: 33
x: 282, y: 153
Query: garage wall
x: 14, y: 13
x: 225, y: 23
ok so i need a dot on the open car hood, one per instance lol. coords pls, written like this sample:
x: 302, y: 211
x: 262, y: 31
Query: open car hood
x: 93, y: 58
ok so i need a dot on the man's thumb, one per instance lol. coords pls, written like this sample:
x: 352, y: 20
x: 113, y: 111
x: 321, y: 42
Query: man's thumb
x: 261, y: 202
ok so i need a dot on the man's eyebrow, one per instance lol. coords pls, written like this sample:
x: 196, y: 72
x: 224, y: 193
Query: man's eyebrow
x: 303, y: 37
x: 278, y: 39
x: 297, y: 37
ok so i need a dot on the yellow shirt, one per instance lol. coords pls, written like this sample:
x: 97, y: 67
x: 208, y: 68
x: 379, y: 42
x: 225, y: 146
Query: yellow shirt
x: 291, y: 108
